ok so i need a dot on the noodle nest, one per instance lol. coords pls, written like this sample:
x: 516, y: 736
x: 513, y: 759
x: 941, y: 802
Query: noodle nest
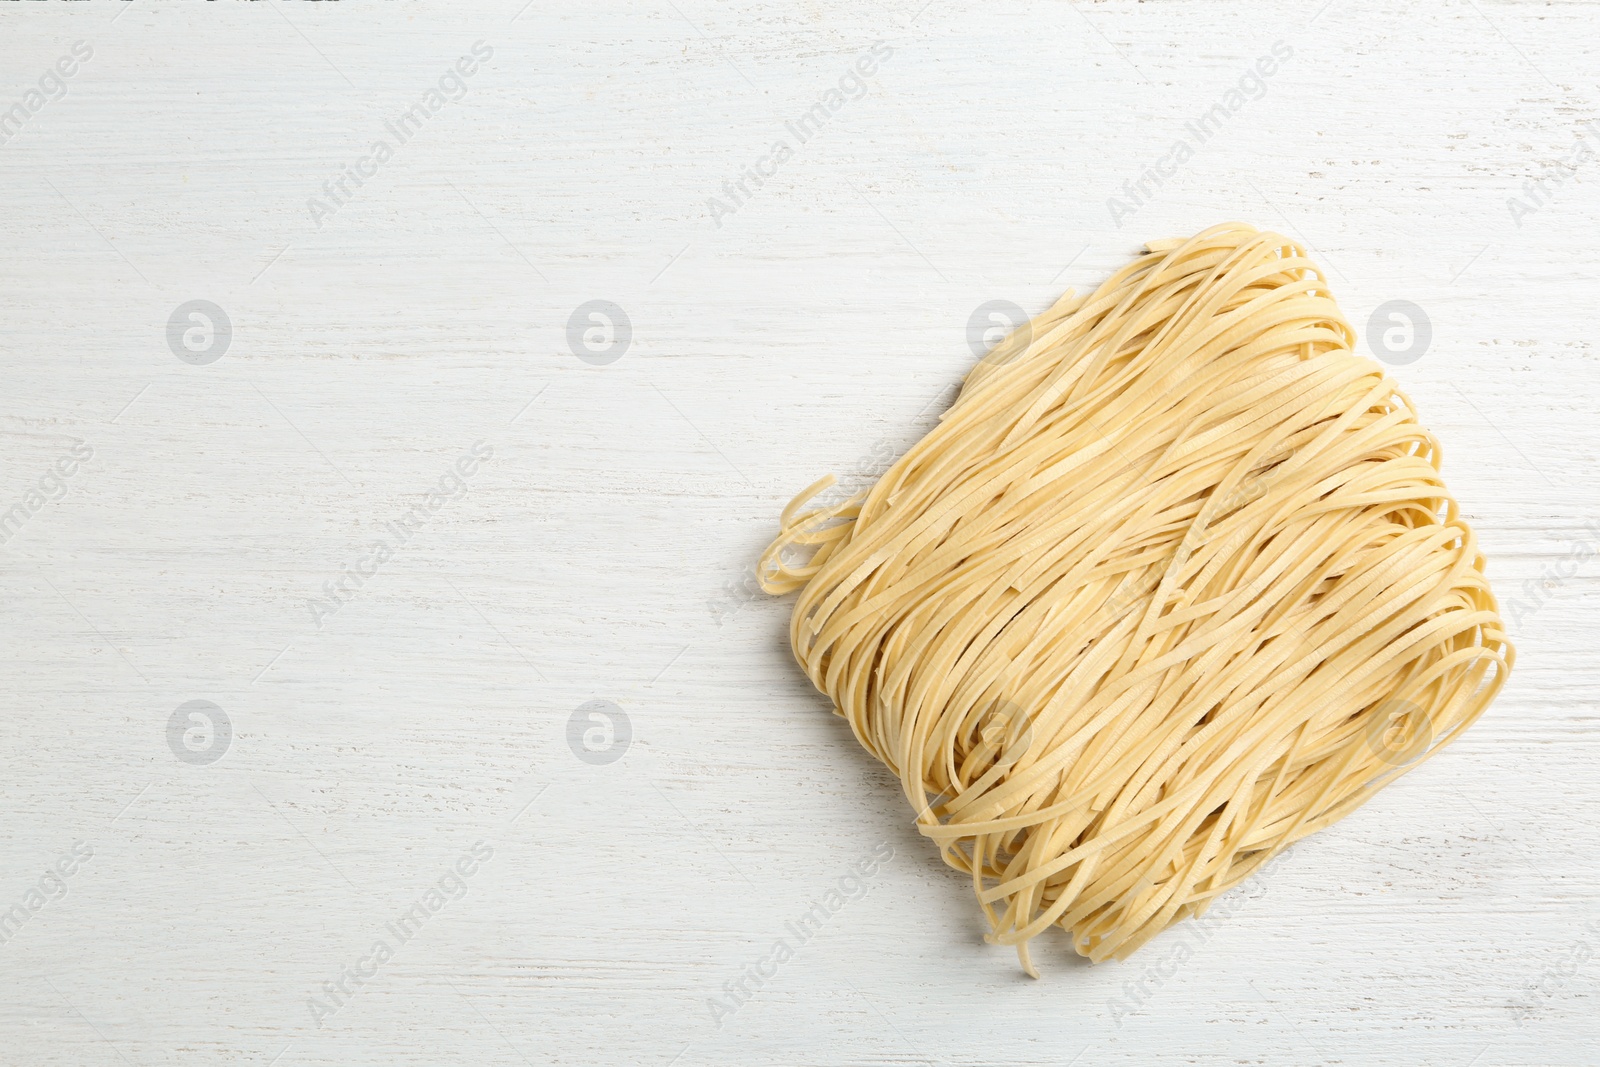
x: 1174, y: 583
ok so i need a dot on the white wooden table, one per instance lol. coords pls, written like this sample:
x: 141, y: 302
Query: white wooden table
x: 189, y: 497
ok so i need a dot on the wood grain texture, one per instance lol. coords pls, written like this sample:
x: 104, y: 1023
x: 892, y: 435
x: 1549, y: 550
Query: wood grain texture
x: 601, y: 552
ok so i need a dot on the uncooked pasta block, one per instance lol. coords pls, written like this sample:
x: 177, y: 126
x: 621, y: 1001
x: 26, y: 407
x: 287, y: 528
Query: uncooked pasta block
x: 1174, y: 583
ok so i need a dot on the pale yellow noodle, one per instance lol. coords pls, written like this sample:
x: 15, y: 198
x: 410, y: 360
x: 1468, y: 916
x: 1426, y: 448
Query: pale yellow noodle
x: 1174, y: 583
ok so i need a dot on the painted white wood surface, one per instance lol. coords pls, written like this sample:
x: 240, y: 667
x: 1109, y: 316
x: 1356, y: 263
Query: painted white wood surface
x: 598, y: 554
